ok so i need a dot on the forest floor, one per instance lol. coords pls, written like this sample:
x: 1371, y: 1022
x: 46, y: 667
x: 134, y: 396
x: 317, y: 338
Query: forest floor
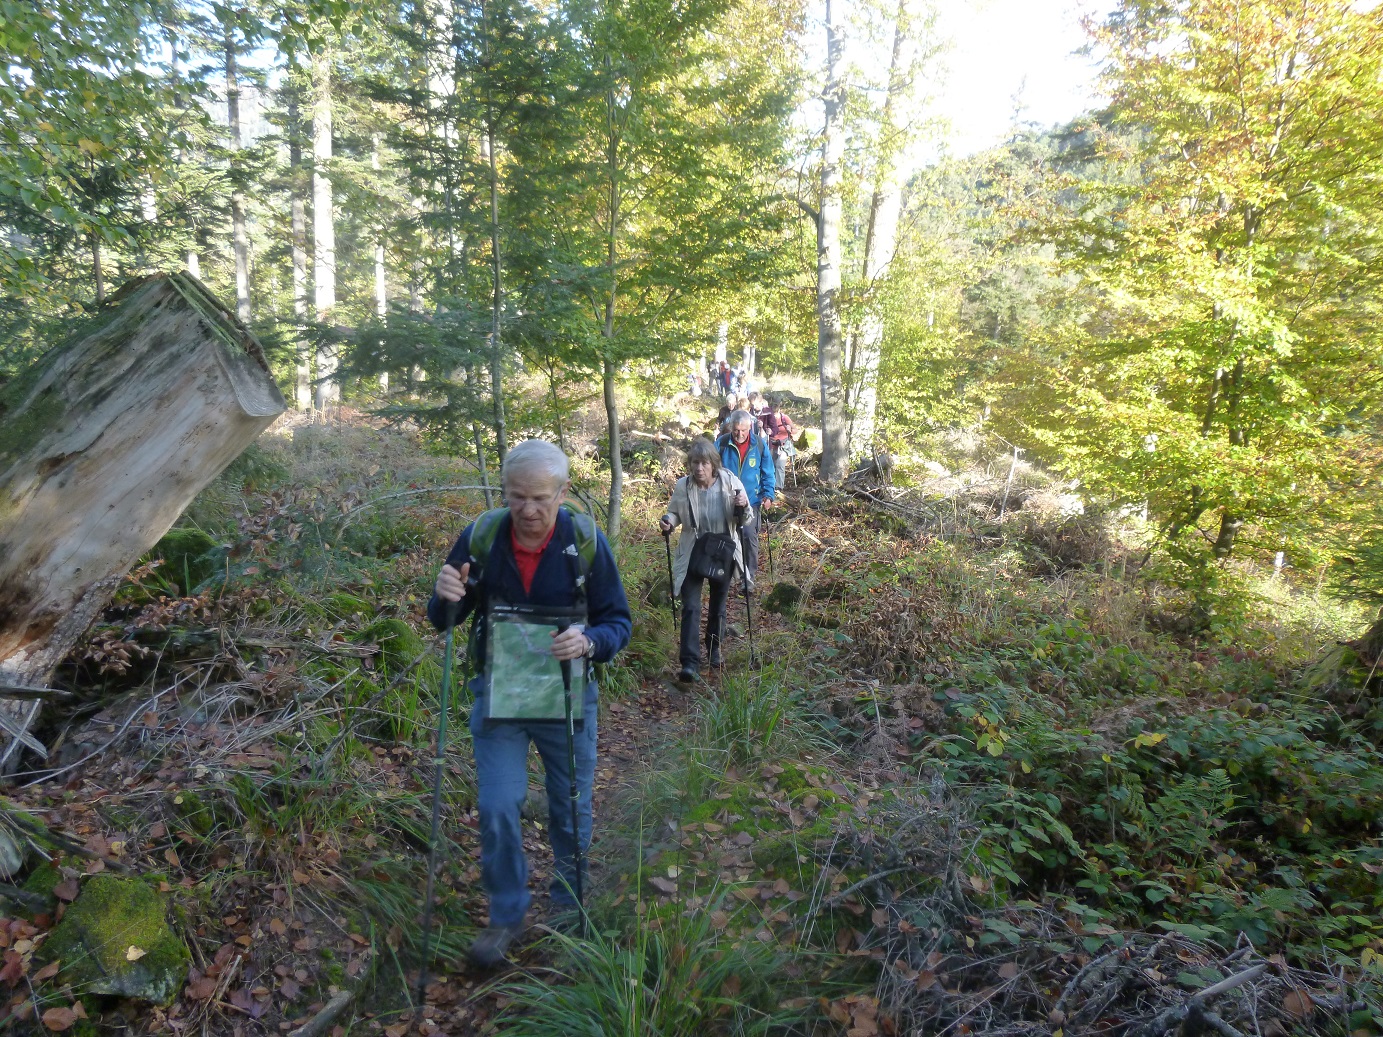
x: 983, y: 779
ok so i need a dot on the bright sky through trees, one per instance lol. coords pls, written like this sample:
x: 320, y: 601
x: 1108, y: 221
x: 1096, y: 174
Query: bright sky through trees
x: 1007, y: 53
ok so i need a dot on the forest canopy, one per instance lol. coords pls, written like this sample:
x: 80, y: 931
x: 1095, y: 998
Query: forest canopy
x: 1171, y: 300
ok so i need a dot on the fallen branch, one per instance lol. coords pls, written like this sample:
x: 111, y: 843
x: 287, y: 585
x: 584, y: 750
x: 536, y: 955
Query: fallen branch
x: 322, y: 1021
x: 15, y: 691
x: 139, y: 712
x: 836, y: 898
x: 346, y: 518
x: 1174, y: 1017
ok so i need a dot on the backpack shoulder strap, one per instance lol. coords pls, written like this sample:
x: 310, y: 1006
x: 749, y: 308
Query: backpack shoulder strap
x: 584, y: 542
x: 583, y: 531
x: 483, y: 534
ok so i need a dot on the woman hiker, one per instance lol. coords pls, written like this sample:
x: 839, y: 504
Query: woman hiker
x: 708, y: 499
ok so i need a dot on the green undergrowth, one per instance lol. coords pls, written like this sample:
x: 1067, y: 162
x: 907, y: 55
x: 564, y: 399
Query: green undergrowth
x: 1199, y: 785
x: 948, y: 747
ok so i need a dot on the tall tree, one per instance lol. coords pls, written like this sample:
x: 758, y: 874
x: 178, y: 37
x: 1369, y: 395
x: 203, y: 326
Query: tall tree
x: 1239, y: 349
x: 898, y: 127
x: 239, y: 232
x: 323, y: 223
x: 835, y: 456
x: 675, y: 182
x: 297, y: 191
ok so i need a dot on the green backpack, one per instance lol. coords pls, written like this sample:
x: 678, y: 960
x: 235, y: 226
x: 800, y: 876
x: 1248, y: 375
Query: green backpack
x: 487, y: 529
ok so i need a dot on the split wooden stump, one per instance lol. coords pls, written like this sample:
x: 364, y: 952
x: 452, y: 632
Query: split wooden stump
x: 103, y: 444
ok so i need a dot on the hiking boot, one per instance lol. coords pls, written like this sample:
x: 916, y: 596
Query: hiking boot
x: 688, y: 675
x: 490, y: 948
x: 715, y: 657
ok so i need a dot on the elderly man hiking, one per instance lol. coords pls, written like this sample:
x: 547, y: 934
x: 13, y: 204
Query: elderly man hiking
x: 746, y: 454
x: 541, y: 585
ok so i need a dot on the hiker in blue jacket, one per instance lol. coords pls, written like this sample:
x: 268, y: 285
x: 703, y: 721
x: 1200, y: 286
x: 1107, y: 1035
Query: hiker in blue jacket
x: 538, y: 554
x: 746, y: 454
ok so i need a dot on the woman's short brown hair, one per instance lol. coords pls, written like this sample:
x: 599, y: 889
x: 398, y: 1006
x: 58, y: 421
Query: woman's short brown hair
x: 702, y: 449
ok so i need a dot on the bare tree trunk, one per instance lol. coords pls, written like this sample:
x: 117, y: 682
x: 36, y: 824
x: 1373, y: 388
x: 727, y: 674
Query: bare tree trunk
x: 239, y: 234
x: 477, y: 436
x: 556, y: 404
x: 488, y: 144
x: 1229, y: 528
x: 103, y: 445
x: 609, y: 366
x: 880, y: 240
x: 381, y: 282
x: 834, y: 449
x: 96, y: 269
x: 302, y: 382
x: 612, y: 524
x: 323, y: 225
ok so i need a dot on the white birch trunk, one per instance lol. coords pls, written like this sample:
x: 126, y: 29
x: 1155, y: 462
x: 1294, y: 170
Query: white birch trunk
x: 834, y: 455
x: 488, y: 148
x: 881, y: 240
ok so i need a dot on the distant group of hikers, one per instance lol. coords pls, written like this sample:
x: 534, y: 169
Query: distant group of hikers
x: 545, y: 600
x: 720, y: 378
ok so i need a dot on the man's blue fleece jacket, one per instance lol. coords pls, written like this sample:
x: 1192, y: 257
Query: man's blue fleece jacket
x: 608, y: 621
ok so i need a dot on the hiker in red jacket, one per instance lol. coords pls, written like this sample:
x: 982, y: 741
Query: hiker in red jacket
x: 779, y: 430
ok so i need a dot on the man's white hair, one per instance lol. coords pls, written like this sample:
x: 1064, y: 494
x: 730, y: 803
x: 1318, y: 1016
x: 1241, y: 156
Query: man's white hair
x: 535, y: 457
x: 740, y: 417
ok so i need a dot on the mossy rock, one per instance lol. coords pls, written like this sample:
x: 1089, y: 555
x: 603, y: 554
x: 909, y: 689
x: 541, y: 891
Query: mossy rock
x: 783, y: 599
x: 192, y: 811
x: 43, y: 880
x: 190, y: 557
x: 399, y: 644
x: 112, y: 921
x: 346, y: 606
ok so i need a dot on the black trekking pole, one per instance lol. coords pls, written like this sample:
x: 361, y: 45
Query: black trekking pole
x: 768, y: 535
x: 671, y: 596
x: 575, y: 795
x: 450, y: 610
x: 749, y: 620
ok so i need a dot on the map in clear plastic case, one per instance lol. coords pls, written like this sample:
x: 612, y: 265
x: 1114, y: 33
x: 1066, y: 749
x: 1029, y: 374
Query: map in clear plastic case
x: 525, y: 679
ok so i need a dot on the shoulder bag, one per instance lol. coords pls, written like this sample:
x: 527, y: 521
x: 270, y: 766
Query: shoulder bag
x: 713, y: 554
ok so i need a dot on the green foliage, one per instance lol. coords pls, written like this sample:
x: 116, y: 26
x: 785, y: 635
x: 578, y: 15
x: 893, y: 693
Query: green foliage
x: 676, y: 976
x: 1218, y: 373
x: 1212, y: 818
x: 84, y: 121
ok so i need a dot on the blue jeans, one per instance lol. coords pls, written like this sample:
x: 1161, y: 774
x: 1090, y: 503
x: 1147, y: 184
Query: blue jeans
x: 501, y: 770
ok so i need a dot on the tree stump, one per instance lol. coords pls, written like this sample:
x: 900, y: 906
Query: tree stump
x: 103, y: 443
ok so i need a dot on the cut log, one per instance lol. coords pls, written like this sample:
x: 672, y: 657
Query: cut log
x: 103, y: 443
